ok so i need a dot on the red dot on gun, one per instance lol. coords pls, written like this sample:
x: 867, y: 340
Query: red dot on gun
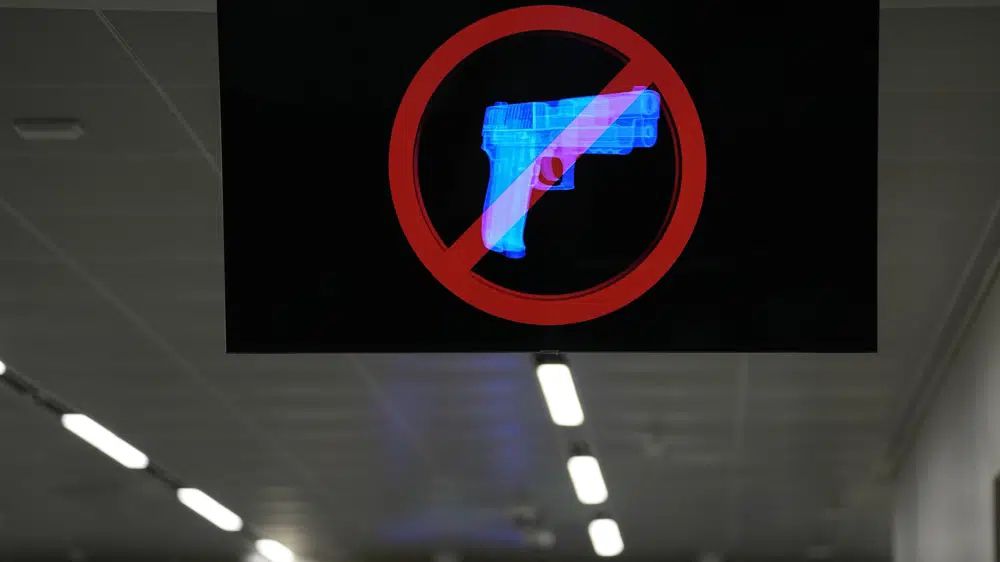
x: 551, y: 171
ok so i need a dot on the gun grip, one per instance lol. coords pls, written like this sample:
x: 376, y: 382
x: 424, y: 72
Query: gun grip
x: 506, y: 204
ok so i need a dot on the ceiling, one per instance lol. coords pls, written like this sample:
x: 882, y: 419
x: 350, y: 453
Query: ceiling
x: 111, y: 297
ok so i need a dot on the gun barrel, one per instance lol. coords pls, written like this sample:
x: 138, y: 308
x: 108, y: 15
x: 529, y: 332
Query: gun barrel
x: 538, y: 123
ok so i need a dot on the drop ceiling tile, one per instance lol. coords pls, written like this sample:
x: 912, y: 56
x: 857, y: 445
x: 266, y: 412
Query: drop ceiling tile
x: 66, y: 47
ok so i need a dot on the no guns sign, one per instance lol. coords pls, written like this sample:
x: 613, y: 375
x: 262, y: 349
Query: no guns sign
x: 452, y: 264
x: 715, y: 165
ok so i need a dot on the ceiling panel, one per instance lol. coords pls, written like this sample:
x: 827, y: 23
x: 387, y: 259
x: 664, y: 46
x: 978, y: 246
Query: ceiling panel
x: 67, y: 49
x: 111, y: 189
x: 179, y: 49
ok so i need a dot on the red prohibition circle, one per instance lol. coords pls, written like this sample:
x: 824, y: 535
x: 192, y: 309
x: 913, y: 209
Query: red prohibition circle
x: 452, y: 266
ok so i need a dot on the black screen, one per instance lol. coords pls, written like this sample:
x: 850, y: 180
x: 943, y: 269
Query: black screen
x: 783, y: 255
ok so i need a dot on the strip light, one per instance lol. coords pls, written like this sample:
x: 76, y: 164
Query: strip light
x: 105, y: 441
x: 216, y: 513
x: 274, y: 551
x: 606, y: 537
x: 560, y: 394
x: 121, y: 451
x: 588, y: 482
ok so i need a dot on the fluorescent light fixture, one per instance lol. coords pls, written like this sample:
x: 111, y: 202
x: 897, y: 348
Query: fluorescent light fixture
x: 48, y: 129
x: 606, y: 537
x: 203, y: 504
x: 588, y: 482
x: 3, y: 368
x: 274, y: 551
x: 560, y: 394
x: 105, y: 441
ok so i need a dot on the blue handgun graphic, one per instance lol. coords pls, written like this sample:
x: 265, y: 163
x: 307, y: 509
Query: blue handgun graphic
x: 534, y: 145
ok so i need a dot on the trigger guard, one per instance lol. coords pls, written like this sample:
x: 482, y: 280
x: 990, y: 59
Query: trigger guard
x: 568, y: 180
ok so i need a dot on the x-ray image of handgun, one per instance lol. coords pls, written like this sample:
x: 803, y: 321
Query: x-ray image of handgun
x: 534, y: 146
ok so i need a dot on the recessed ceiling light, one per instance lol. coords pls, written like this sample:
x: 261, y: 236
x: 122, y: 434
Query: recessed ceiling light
x: 274, y: 551
x: 588, y: 482
x: 204, y: 505
x: 606, y: 537
x: 105, y: 441
x: 48, y: 129
x: 560, y: 394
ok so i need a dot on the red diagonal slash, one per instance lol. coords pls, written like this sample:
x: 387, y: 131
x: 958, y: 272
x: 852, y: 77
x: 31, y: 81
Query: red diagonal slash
x: 452, y: 266
x: 469, y: 248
